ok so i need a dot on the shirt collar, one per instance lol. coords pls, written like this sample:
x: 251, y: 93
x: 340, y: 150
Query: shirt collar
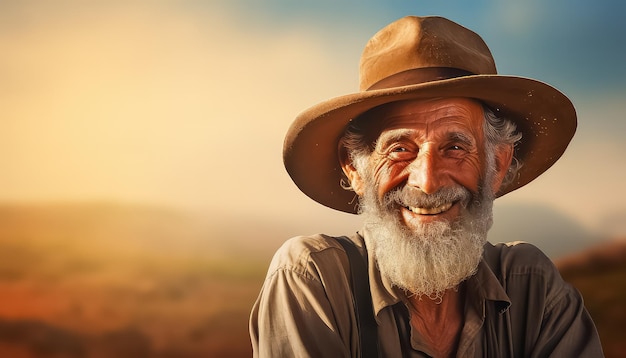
x: 485, y: 286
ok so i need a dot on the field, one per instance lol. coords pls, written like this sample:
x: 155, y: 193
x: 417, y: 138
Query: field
x: 104, y: 280
x: 109, y: 281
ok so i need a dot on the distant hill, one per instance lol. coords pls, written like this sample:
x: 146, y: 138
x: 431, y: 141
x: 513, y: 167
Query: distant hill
x: 553, y: 231
x: 599, y: 273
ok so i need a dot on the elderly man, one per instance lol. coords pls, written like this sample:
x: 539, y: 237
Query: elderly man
x: 421, y: 152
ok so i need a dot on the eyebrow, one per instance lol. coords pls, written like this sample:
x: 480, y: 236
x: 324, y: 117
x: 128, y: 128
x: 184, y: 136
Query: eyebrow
x: 393, y: 136
x: 399, y: 135
x: 461, y: 137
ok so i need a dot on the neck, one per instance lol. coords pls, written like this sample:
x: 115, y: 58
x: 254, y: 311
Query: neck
x: 438, y: 321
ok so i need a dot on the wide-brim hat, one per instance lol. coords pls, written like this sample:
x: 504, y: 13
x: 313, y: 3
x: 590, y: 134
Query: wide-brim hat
x: 427, y: 57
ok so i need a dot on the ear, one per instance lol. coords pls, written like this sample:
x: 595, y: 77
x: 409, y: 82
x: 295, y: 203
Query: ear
x: 504, y: 156
x: 356, y: 182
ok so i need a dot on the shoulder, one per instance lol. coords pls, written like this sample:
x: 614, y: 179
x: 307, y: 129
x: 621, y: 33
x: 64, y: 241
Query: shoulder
x: 525, y: 270
x: 304, y: 255
x: 519, y: 258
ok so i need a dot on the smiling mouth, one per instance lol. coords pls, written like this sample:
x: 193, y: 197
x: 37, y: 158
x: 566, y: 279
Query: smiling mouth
x: 430, y: 211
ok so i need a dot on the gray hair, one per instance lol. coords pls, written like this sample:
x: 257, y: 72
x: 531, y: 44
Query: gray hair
x: 499, y: 131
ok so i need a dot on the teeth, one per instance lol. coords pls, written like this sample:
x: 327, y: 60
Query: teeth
x: 430, y: 211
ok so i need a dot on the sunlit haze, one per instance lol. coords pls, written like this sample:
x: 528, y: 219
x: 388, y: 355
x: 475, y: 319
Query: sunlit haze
x: 186, y: 105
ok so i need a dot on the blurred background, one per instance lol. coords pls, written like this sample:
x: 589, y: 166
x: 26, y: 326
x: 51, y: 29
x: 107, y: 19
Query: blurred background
x: 142, y: 192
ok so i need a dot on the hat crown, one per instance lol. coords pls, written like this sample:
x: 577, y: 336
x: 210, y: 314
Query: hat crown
x: 413, y: 43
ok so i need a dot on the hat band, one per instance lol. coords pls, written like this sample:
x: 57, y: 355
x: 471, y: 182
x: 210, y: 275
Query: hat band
x: 419, y: 75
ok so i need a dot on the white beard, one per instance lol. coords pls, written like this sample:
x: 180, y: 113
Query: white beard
x: 432, y: 258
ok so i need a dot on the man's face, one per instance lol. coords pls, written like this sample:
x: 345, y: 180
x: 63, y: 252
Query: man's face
x: 428, y: 145
x: 423, y: 192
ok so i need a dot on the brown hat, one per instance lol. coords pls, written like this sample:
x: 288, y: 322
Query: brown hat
x: 427, y: 57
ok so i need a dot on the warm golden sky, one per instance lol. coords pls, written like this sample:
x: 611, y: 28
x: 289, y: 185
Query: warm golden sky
x: 162, y: 103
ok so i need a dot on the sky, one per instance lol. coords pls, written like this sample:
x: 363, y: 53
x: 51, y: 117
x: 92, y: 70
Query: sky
x: 185, y: 103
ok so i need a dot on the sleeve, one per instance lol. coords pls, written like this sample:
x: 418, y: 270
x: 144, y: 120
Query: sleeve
x: 557, y: 322
x: 567, y: 328
x: 300, y: 311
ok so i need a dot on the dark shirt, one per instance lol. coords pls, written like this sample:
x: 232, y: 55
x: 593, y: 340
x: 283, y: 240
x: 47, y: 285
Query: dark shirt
x: 516, y: 305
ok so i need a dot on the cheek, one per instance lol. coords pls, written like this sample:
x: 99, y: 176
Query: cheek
x: 388, y: 175
x: 468, y: 173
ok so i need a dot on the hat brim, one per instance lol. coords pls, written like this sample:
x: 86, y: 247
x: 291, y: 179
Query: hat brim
x: 545, y: 117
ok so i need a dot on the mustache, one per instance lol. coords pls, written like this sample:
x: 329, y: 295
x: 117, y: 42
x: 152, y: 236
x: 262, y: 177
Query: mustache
x: 410, y: 196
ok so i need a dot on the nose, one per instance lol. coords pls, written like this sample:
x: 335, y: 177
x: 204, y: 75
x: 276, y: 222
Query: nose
x: 425, y: 172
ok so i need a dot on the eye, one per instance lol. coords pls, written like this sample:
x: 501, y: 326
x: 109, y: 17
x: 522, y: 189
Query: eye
x: 458, y: 142
x: 401, y: 152
x: 456, y: 150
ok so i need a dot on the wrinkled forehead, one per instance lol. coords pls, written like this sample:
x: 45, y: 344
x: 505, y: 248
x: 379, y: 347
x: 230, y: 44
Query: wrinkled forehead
x: 465, y: 111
